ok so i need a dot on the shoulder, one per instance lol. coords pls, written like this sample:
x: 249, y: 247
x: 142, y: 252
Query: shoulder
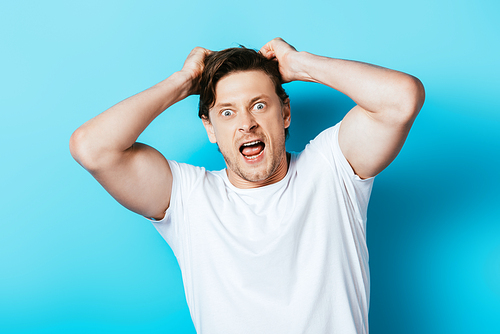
x: 323, y: 146
x: 180, y: 168
x: 187, y: 177
x: 324, y: 151
x: 325, y: 141
x: 324, y: 165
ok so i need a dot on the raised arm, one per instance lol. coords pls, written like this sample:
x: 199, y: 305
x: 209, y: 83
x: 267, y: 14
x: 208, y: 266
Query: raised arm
x: 136, y: 175
x: 373, y: 132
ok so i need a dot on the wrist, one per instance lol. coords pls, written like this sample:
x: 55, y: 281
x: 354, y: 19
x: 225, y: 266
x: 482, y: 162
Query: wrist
x: 174, y: 88
x: 183, y: 82
x: 300, y: 64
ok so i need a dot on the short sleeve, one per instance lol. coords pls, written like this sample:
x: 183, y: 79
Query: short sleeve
x: 358, y: 190
x: 184, y: 179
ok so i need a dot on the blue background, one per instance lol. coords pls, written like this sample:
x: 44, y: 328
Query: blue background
x: 72, y: 260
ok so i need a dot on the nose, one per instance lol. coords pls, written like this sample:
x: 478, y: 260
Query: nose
x: 247, y: 122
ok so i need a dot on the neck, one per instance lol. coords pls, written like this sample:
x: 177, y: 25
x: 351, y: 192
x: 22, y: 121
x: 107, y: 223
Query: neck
x: 278, y: 175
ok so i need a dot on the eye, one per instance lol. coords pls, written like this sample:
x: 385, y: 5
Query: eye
x: 226, y: 113
x: 259, y: 106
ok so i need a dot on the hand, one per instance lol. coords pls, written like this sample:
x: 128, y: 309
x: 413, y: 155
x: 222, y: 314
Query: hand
x: 193, y: 66
x: 283, y: 52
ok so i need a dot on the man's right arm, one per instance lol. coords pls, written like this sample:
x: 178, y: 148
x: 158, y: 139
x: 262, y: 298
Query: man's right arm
x: 136, y: 175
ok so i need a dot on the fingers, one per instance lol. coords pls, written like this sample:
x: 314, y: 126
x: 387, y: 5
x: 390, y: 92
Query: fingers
x: 193, y: 66
x: 276, y: 48
x: 267, y: 51
x: 196, y: 58
x: 199, y: 53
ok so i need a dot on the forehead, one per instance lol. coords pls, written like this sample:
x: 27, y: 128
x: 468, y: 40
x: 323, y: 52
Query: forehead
x: 238, y: 87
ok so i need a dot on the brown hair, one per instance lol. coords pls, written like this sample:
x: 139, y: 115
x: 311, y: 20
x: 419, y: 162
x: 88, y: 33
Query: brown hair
x: 221, y: 63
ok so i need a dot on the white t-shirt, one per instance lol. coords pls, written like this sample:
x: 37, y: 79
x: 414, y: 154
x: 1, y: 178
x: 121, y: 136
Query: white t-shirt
x: 290, y: 257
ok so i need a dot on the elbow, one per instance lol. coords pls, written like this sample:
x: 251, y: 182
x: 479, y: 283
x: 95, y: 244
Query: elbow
x: 81, y: 150
x: 412, y: 96
x: 418, y: 95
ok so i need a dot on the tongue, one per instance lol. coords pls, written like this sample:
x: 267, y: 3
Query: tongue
x: 252, y: 150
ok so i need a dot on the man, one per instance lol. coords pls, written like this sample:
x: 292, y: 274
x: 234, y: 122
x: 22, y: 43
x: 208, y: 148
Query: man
x: 276, y: 242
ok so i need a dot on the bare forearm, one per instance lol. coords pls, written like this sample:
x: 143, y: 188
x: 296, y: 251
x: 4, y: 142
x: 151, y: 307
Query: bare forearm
x: 375, y: 89
x: 116, y: 129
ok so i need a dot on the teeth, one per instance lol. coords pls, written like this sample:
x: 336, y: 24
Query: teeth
x: 252, y: 143
x: 253, y: 156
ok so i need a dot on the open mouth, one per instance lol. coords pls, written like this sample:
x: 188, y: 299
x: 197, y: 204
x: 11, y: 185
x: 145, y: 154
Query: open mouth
x: 252, y: 150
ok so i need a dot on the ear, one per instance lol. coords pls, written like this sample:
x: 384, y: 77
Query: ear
x: 210, y: 129
x: 286, y: 113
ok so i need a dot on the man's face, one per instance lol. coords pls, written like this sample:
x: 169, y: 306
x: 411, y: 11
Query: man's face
x: 248, y: 123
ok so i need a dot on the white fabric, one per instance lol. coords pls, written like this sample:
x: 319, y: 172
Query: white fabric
x: 290, y: 257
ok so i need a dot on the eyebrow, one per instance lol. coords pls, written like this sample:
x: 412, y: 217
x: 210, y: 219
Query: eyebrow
x: 252, y: 101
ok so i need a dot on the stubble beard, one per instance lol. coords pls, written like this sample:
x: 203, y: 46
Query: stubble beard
x: 259, y: 175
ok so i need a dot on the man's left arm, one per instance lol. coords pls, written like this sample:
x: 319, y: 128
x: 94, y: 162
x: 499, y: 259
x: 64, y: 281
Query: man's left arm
x: 387, y: 102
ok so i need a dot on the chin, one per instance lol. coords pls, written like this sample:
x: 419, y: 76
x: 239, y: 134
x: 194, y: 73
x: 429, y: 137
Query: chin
x: 255, y: 177
x: 254, y: 174
x: 260, y: 172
